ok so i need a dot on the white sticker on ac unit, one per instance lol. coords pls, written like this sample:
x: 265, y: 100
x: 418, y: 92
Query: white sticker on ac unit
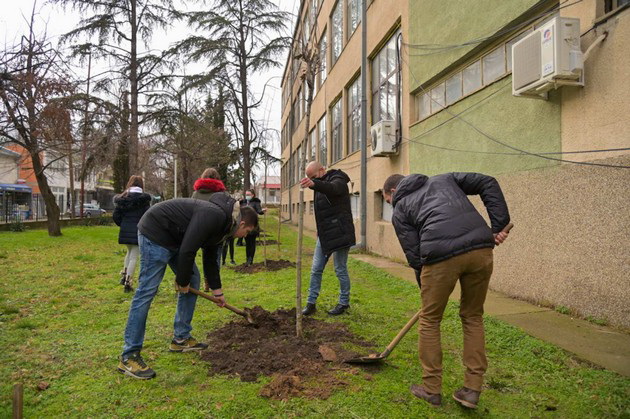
x: 548, y: 68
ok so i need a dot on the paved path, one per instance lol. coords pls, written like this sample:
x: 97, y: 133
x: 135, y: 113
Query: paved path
x: 602, y: 346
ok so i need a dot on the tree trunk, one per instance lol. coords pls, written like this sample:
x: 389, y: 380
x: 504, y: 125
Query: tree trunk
x: 264, y: 240
x: 133, y: 82
x: 52, y: 209
x: 71, y: 175
x: 247, y: 166
x: 279, y: 222
x: 302, y: 167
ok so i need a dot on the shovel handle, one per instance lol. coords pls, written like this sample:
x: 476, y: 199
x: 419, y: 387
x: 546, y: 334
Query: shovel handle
x: 216, y: 300
x: 507, y: 228
x: 401, y: 334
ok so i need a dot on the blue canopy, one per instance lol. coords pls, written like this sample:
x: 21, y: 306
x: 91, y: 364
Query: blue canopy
x: 16, y: 187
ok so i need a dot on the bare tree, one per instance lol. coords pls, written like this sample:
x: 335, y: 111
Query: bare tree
x: 237, y: 38
x: 120, y: 27
x: 32, y: 85
x: 307, y: 55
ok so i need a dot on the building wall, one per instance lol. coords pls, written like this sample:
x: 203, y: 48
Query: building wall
x: 8, y: 169
x: 569, y: 246
x: 384, y: 18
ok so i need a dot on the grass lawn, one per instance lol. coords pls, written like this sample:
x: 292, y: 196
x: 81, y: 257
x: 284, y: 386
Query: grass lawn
x: 62, y: 316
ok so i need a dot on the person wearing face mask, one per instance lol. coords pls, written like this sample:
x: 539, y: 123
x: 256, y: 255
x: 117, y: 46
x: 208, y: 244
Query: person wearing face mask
x: 250, y: 240
x: 335, y: 232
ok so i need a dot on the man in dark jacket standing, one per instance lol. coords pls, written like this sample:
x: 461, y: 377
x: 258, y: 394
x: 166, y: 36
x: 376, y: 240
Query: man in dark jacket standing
x: 335, y: 232
x: 445, y: 240
x: 171, y: 233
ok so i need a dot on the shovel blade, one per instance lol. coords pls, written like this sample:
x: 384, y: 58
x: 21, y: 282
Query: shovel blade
x: 370, y: 359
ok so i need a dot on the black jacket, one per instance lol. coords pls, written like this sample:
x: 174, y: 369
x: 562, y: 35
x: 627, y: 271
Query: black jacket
x: 186, y: 225
x: 255, y: 204
x: 435, y: 220
x: 333, y: 213
x: 128, y: 211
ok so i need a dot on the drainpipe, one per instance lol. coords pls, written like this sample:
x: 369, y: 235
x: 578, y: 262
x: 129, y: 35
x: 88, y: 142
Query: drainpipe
x: 364, y: 69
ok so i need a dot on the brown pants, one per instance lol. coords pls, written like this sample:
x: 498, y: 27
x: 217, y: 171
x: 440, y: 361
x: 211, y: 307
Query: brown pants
x: 473, y: 270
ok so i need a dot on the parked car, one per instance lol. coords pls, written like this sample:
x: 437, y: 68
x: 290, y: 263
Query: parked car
x: 89, y: 210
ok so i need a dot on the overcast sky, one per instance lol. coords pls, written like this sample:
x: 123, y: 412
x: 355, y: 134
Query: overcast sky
x: 57, y: 21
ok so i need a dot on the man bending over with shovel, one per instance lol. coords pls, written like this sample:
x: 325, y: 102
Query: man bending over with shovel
x: 446, y: 240
x: 170, y: 233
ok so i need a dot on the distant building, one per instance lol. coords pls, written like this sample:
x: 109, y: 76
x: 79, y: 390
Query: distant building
x: 272, y: 184
x: 15, y: 196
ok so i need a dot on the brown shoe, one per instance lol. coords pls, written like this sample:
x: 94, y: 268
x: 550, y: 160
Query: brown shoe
x: 467, y: 397
x: 420, y: 392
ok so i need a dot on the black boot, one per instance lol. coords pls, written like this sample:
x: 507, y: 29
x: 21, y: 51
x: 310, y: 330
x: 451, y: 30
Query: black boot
x: 250, y: 261
x: 309, y: 309
x: 339, y: 309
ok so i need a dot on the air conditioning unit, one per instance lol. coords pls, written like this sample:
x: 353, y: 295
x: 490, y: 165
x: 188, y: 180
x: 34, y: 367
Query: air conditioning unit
x: 383, y: 139
x: 548, y: 58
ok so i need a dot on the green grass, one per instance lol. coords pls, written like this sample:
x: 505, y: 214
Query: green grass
x: 62, y: 316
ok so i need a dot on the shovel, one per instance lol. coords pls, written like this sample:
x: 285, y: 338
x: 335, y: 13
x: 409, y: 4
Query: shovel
x: 373, y: 358
x: 245, y: 313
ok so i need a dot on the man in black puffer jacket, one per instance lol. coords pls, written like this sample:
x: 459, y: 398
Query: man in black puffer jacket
x: 171, y: 233
x: 445, y: 240
x: 335, y: 232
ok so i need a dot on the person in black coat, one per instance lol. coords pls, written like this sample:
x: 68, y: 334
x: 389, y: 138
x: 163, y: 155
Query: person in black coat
x: 446, y: 240
x: 170, y: 234
x: 250, y: 240
x: 335, y: 232
x: 130, y: 206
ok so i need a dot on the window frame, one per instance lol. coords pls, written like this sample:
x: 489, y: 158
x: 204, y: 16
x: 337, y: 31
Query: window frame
x: 323, y: 142
x: 336, y: 129
x: 383, y: 84
x: 338, y: 7
x: 353, y: 107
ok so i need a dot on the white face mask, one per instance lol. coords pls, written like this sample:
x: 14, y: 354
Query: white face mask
x: 248, y: 197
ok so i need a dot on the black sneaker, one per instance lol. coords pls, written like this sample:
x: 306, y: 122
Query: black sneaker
x: 339, y: 309
x: 128, y: 287
x: 309, y: 309
x: 133, y: 365
x: 232, y: 262
x: 123, y: 278
x: 186, y: 345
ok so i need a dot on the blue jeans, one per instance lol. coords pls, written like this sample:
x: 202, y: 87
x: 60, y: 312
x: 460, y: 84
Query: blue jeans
x: 341, y: 269
x: 153, y: 261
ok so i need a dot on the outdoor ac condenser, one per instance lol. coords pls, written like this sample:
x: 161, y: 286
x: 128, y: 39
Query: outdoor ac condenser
x: 383, y: 138
x: 548, y: 58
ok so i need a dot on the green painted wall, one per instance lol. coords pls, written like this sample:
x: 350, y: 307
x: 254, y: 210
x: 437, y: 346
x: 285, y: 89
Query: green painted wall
x: 452, y: 22
x: 527, y: 124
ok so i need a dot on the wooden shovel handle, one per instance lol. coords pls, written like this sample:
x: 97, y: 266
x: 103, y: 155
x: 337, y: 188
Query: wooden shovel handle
x: 216, y: 300
x: 507, y: 228
x: 401, y: 334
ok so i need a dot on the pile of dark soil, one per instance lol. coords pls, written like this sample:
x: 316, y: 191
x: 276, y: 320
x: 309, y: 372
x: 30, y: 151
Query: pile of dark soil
x: 307, y: 367
x: 272, y: 265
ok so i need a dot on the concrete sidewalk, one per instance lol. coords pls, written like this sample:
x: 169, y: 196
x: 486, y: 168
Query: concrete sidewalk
x: 602, y: 346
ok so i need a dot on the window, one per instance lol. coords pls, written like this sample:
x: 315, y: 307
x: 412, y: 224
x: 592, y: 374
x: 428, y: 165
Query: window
x: 385, y: 71
x: 612, y: 5
x: 437, y: 98
x: 472, y: 78
x: 337, y: 31
x: 423, y: 104
x: 493, y: 65
x: 354, y: 15
x: 354, y: 116
x: 323, y: 141
x: 355, y: 206
x: 322, y: 58
x: 337, y: 146
x: 454, y: 89
x: 312, y: 139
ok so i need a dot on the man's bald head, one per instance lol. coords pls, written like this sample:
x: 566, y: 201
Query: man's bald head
x: 315, y: 170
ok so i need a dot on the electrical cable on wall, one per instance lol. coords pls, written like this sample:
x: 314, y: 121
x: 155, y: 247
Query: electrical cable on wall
x: 493, y: 139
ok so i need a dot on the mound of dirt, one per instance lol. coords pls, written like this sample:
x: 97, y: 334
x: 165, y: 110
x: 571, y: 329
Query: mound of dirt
x: 306, y: 367
x: 272, y: 265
